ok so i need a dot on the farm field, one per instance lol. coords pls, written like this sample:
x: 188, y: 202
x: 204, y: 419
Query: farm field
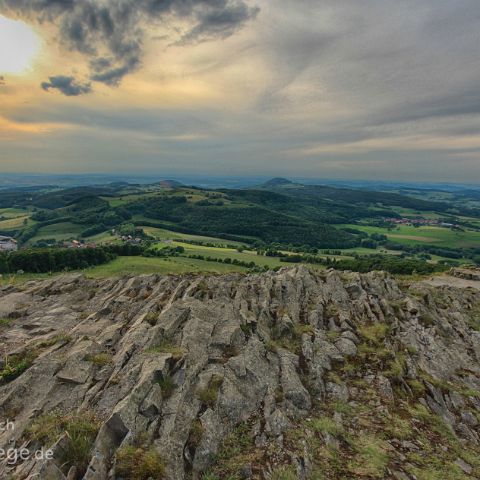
x: 14, y: 219
x: 161, y: 234
x: 57, y: 231
x: 438, y: 236
x: 219, y: 252
x: 13, y: 212
x: 15, y: 223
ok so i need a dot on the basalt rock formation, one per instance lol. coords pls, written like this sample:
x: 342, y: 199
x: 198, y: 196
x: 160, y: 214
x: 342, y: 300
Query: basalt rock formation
x: 284, y: 375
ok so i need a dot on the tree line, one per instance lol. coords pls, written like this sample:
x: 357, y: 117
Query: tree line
x: 45, y: 260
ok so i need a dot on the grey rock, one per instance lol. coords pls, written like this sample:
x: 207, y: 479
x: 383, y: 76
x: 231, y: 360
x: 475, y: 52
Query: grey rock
x: 198, y: 368
x: 464, y: 466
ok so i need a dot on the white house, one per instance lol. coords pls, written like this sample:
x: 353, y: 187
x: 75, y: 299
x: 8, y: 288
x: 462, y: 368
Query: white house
x: 7, y: 244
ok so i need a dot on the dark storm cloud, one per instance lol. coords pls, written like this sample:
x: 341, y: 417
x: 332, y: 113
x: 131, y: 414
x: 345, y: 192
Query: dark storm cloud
x: 66, y: 85
x: 221, y: 22
x: 111, y: 33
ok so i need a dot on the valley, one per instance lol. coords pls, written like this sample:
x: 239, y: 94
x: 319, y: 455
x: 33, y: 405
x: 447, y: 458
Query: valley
x: 240, y: 230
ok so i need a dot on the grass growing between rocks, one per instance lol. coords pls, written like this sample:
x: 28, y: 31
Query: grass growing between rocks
x: 151, y: 318
x: 99, y: 359
x: 289, y: 340
x: 60, y: 338
x: 80, y: 430
x: 474, y: 318
x: 15, y: 365
x: 439, y: 449
x: 5, y: 322
x: 284, y: 473
x: 208, y: 395
x: 167, y: 385
x: 139, y: 463
x: 371, y: 458
x: 165, y: 346
x: 237, y: 450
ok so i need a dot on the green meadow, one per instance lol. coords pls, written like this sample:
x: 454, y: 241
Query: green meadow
x: 143, y: 265
x: 438, y: 236
x: 57, y: 231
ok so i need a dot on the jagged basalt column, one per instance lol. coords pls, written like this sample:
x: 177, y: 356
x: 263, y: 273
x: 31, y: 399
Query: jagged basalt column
x: 179, y: 364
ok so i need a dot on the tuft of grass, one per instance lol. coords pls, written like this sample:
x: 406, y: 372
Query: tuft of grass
x: 81, y: 430
x: 397, y: 427
x: 473, y: 319
x: 418, y: 388
x: 151, y: 318
x: 15, y: 365
x: 396, y: 367
x: 237, y: 443
x: 333, y: 335
x: 176, y: 351
x: 300, y: 329
x: 426, y: 320
x: 237, y: 450
x: 60, y: 338
x: 247, y: 328
x: 371, y: 458
x: 341, y: 406
x: 5, y: 322
x: 99, y: 359
x: 435, y: 422
x: 330, y: 310
x: 326, y: 425
x: 284, y: 473
x: 375, y: 333
x: 196, y: 434
x: 167, y: 386
x: 208, y: 396
x: 334, y: 377
x: 139, y: 463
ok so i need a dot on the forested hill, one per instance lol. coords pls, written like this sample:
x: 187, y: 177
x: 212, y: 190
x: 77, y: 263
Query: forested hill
x: 352, y: 197
x: 278, y: 212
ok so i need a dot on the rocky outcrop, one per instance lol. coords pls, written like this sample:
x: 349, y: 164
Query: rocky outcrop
x: 292, y: 374
x: 466, y: 273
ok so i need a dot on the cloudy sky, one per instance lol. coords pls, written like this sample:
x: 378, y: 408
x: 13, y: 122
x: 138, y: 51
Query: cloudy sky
x: 371, y: 89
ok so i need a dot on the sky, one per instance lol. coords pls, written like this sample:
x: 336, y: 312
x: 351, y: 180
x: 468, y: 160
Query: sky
x: 371, y: 89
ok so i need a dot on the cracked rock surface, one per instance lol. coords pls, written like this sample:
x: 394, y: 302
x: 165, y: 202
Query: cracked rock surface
x: 308, y: 374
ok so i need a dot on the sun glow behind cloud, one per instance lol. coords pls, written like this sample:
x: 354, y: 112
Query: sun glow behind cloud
x: 331, y: 89
x: 19, y: 45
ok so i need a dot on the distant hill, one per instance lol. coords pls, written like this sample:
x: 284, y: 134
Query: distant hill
x: 277, y: 182
x: 169, y: 184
